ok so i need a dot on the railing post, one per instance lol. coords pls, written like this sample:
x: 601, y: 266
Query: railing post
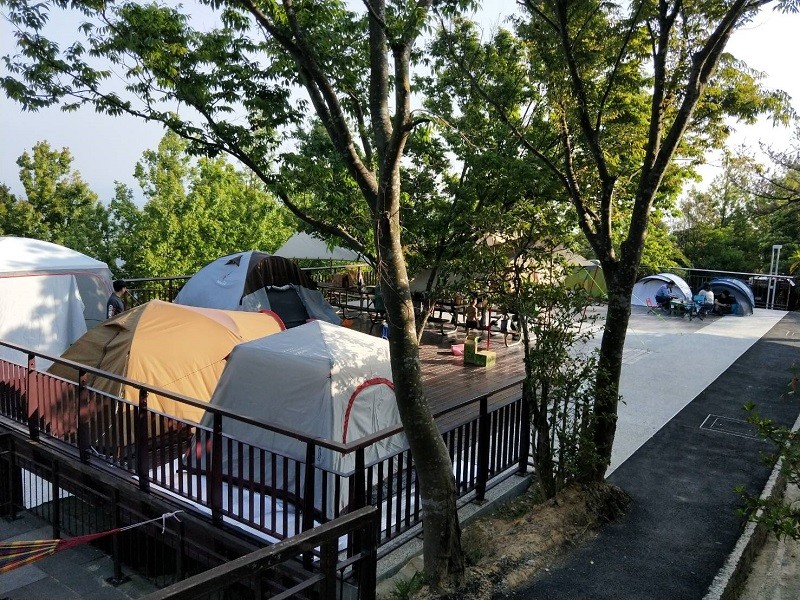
x: 142, y: 443
x: 215, y: 477
x: 118, y: 578
x: 308, y: 487
x: 482, y: 476
x: 10, y: 479
x: 368, y: 565
x: 32, y: 398
x: 56, y: 504
x: 524, y: 433
x: 360, y: 493
x: 360, y: 539
x: 308, y: 499
x: 84, y: 441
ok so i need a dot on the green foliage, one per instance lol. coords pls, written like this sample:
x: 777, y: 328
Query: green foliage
x: 780, y: 518
x: 58, y: 206
x: 406, y: 588
x: 194, y: 213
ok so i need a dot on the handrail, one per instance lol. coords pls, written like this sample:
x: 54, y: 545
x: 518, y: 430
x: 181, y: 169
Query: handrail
x: 255, y: 562
x: 344, y: 448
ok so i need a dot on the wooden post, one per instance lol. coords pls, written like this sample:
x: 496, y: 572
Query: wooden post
x: 482, y: 476
x: 142, y: 443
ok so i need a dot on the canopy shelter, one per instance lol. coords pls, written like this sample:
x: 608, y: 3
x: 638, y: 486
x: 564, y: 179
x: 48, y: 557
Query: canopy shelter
x: 317, y: 379
x: 647, y: 287
x: 254, y: 281
x: 740, y: 291
x: 179, y: 348
x: 303, y: 245
x: 49, y: 295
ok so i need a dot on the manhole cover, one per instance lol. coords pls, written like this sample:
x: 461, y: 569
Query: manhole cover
x: 730, y: 426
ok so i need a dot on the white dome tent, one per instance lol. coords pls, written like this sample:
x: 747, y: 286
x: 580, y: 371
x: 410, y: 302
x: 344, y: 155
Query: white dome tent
x: 647, y: 287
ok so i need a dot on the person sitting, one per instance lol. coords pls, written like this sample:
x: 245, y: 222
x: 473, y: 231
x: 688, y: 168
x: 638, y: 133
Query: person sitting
x: 665, y: 295
x: 707, y: 294
x: 724, y: 304
x: 706, y: 299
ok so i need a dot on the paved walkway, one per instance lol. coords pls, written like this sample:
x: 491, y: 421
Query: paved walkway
x: 681, y: 448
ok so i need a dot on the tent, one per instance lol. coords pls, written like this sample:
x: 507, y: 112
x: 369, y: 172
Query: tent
x: 647, y: 287
x: 178, y: 348
x: 49, y: 295
x: 317, y: 379
x: 739, y: 290
x: 253, y: 281
x: 588, y: 275
x: 305, y: 246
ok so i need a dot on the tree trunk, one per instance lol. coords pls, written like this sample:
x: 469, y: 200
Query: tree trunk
x: 441, y: 532
x: 609, y: 367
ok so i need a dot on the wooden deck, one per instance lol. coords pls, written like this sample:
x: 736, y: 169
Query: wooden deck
x: 449, y: 382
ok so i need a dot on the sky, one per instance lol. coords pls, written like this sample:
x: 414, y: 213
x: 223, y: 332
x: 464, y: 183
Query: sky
x: 105, y: 149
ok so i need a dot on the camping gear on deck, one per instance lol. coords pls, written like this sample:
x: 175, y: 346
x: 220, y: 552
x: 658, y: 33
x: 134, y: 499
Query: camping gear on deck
x: 741, y: 292
x: 254, y: 281
x: 49, y: 296
x: 317, y: 379
x: 179, y: 348
x: 647, y: 287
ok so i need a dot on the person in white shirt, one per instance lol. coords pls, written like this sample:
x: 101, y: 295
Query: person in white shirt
x: 708, y: 295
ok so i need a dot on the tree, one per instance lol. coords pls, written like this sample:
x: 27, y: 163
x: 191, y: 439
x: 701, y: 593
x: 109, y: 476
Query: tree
x: 720, y: 228
x: 59, y: 206
x: 238, y: 79
x: 195, y: 212
x: 630, y: 87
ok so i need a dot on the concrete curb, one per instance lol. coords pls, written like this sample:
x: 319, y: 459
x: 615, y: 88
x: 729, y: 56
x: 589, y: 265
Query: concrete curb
x: 728, y: 583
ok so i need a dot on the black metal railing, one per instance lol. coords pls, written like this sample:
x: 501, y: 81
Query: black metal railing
x: 255, y: 572
x: 275, y: 493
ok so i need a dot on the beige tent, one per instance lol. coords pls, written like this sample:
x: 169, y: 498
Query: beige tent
x: 178, y: 348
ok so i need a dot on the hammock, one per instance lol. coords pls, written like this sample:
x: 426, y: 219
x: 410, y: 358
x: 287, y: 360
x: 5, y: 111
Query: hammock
x: 17, y: 554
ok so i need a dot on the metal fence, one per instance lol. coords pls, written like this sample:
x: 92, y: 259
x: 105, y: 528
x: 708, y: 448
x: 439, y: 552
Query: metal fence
x: 274, y: 494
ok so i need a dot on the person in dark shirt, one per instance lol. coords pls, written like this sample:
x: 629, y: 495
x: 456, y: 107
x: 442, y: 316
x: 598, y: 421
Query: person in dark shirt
x: 116, y: 304
x: 723, y: 305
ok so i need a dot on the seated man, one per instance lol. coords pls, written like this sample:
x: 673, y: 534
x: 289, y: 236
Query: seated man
x: 706, y: 301
x: 664, y: 295
x: 724, y: 304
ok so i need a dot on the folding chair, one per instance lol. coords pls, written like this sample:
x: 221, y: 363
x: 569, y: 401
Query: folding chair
x: 651, y: 308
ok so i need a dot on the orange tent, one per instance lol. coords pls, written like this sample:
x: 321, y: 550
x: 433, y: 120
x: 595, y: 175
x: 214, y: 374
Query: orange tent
x: 179, y: 348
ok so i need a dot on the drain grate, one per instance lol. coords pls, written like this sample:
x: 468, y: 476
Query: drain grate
x: 730, y: 426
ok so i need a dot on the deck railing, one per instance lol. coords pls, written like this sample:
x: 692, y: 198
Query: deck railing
x: 275, y: 494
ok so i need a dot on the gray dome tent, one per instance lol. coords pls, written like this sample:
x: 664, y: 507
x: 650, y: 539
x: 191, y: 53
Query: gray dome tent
x: 254, y: 281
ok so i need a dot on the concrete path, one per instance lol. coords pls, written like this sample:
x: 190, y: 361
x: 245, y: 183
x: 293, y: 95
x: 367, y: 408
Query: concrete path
x: 682, y: 446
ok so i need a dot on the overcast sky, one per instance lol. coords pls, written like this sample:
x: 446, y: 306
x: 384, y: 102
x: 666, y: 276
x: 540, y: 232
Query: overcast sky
x: 105, y: 149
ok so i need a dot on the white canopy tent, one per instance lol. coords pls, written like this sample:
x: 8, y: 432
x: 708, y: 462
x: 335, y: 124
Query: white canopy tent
x: 305, y: 246
x: 49, y: 295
